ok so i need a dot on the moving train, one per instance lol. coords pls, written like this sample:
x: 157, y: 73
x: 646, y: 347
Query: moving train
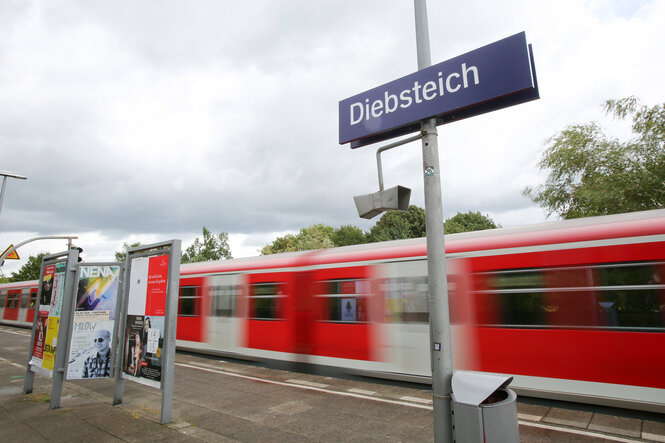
x: 574, y: 310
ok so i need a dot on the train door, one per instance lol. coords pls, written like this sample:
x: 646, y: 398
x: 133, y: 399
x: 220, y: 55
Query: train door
x: 12, y: 305
x: 23, y: 307
x: 269, y: 312
x: 347, y: 305
x: 222, y: 325
x: 191, y: 312
x: 406, y: 328
x: 32, y: 306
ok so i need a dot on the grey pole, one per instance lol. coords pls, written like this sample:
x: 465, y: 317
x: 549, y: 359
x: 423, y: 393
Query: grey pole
x: 4, y: 175
x: 440, y: 349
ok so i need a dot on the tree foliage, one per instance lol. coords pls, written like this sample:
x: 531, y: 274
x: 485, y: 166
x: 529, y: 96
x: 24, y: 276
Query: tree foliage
x: 470, y: 221
x: 212, y: 247
x: 30, y: 270
x: 394, y: 225
x: 348, y: 235
x: 314, y: 237
x: 593, y: 174
x: 121, y: 256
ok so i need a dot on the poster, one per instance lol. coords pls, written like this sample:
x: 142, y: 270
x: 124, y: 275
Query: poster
x: 40, y: 337
x: 50, y: 343
x: 94, y: 322
x: 47, y: 287
x: 146, y: 310
x: 144, y: 341
x: 48, y: 318
x: 348, y: 309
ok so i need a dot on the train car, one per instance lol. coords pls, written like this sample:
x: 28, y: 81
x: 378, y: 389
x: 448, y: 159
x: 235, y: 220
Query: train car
x: 17, y: 303
x: 574, y: 310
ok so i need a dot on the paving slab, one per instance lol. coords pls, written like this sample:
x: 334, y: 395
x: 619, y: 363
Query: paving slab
x: 653, y: 431
x: 568, y: 417
x: 630, y: 427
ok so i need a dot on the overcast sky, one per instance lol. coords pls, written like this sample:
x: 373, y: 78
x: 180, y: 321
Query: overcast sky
x: 144, y: 121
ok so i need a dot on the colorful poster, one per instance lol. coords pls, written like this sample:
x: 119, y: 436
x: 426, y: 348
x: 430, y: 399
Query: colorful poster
x: 53, y: 326
x: 94, y: 320
x: 47, y: 287
x: 144, y: 332
x: 144, y: 342
x: 48, y: 318
x: 40, y: 336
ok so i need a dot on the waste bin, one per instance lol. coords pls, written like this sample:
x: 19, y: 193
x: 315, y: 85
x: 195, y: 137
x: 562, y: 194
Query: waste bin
x: 483, y: 409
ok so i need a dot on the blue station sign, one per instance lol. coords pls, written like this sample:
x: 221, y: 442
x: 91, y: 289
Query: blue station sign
x: 495, y: 76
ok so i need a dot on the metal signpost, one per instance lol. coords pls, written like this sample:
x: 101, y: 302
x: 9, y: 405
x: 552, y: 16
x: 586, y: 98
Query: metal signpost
x: 148, y: 318
x: 492, y: 77
x: 4, y: 175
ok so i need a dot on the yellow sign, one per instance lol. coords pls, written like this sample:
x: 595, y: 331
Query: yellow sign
x: 13, y: 255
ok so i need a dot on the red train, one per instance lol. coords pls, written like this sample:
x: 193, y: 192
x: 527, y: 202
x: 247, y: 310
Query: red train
x: 573, y: 309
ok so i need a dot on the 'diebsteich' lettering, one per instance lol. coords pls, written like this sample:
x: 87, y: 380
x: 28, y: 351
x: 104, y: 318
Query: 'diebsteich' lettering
x: 451, y: 83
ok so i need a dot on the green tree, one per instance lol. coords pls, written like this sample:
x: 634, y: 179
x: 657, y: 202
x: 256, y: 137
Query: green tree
x: 593, y: 174
x: 212, y: 247
x: 30, y: 270
x: 348, y: 235
x: 286, y: 243
x: 122, y: 255
x: 471, y: 221
x: 394, y: 225
x: 314, y: 237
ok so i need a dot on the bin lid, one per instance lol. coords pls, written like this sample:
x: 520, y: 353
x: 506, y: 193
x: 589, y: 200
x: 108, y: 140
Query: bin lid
x: 473, y: 388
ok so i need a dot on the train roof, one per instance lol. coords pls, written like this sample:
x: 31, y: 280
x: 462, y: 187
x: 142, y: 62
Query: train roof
x: 19, y: 284
x: 633, y: 224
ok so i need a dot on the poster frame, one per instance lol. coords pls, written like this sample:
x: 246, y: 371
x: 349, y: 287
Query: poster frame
x: 58, y: 372
x: 172, y: 248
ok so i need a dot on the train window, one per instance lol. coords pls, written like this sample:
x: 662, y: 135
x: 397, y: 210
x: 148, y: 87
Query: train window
x: 188, y: 300
x: 223, y: 300
x: 618, y: 295
x: 523, y: 279
x: 33, y: 298
x: 264, y: 301
x: 345, y: 301
x: 3, y: 299
x: 12, y: 301
x: 24, y: 300
x: 407, y: 300
x: 523, y: 308
x: 632, y: 295
x: 520, y: 296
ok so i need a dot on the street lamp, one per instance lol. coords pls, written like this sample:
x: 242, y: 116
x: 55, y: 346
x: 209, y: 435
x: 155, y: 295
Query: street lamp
x: 4, y: 175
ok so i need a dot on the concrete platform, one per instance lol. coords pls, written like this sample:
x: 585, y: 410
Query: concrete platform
x: 216, y: 400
